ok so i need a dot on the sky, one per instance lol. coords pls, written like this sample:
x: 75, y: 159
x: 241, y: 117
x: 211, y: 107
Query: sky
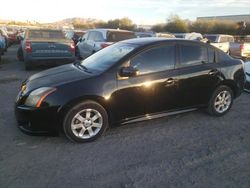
x: 140, y: 11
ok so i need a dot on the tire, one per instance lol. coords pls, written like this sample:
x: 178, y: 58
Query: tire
x: 84, y: 116
x: 221, y: 101
x: 20, y: 54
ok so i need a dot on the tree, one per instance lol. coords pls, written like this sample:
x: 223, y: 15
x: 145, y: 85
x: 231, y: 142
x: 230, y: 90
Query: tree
x: 159, y: 28
x: 176, y: 25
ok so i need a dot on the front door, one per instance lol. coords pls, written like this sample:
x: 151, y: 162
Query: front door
x: 154, y: 89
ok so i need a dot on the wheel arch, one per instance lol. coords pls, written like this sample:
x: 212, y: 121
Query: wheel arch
x: 232, y: 85
x: 100, y: 100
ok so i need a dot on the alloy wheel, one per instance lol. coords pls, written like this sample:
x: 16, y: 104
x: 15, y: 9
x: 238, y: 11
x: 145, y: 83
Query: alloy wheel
x: 222, y: 101
x: 86, y: 123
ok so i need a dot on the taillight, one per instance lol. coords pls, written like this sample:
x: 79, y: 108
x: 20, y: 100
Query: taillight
x: 72, y: 47
x: 28, y: 47
x: 242, y: 46
x: 104, y: 45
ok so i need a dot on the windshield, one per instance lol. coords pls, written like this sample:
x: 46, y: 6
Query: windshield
x: 212, y: 38
x: 105, y: 58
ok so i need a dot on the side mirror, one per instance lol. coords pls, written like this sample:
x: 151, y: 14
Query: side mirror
x: 128, y: 72
x: 80, y: 39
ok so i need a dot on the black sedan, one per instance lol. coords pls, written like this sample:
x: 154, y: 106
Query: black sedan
x: 130, y: 81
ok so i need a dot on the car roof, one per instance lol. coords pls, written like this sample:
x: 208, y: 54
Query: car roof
x: 105, y: 29
x: 152, y: 40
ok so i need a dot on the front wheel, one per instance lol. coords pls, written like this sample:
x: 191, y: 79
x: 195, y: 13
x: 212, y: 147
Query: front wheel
x: 85, y: 122
x: 221, y: 101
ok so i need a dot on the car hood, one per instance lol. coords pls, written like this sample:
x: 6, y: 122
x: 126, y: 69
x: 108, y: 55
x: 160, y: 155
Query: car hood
x: 56, y: 76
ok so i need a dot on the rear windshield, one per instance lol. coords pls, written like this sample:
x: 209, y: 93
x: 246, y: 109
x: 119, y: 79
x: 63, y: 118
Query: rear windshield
x: 35, y: 34
x: 211, y: 38
x: 119, y: 36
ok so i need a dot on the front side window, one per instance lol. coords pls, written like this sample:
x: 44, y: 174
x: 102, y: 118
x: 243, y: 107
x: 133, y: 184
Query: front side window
x: 155, y: 59
x: 192, y: 54
x: 211, y: 55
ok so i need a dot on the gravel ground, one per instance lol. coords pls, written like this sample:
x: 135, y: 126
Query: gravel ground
x: 187, y: 150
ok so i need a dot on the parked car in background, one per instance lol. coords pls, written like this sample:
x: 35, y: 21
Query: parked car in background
x: 129, y: 81
x: 145, y: 34
x: 4, y: 34
x: 152, y: 34
x: 2, y: 46
x: 189, y: 36
x: 97, y: 39
x: 241, y: 48
x: 247, y: 72
x: 220, y: 41
x: 47, y: 47
x: 12, y: 35
x: 165, y: 35
x: 74, y: 35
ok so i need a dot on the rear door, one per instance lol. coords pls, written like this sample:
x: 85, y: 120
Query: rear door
x: 198, y: 73
x: 89, y: 43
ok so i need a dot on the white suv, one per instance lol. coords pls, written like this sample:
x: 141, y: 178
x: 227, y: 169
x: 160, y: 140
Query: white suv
x: 220, y: 41
x: 97, y: 39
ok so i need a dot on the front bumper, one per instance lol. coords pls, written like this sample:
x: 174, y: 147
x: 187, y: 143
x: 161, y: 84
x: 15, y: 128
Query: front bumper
x: 37, y: 121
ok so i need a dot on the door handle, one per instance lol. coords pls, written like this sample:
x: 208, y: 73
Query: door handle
x: 170, y: 81
x: 213, y: 72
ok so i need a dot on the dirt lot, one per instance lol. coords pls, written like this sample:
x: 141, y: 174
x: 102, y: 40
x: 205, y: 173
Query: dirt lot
x: 188, y: 150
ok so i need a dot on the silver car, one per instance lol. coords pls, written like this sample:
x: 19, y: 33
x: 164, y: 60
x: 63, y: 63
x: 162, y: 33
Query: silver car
x: 97, y: 39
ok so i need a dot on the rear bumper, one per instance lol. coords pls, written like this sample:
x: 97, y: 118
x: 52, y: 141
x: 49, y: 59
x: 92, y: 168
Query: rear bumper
x: 49, y: 61
x: 37, y: 121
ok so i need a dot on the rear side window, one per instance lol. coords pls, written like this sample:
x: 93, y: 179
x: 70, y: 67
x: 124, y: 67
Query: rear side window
x: 91, y: 36
x: 119, y: 36
x: 155, y: 59
x: 38, y: 34
x: 192, y: 54
x: 211, y: 55
x: 99, y: 37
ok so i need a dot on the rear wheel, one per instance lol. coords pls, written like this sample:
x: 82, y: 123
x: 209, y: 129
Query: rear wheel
x: 221, y: 101
x: 85, y: 122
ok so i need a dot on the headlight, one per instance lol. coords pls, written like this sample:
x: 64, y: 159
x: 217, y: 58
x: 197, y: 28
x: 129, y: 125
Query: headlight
x: 37, y: 96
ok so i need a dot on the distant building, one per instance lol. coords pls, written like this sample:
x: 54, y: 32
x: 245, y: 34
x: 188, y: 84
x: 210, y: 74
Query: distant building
x: 234, y: 18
